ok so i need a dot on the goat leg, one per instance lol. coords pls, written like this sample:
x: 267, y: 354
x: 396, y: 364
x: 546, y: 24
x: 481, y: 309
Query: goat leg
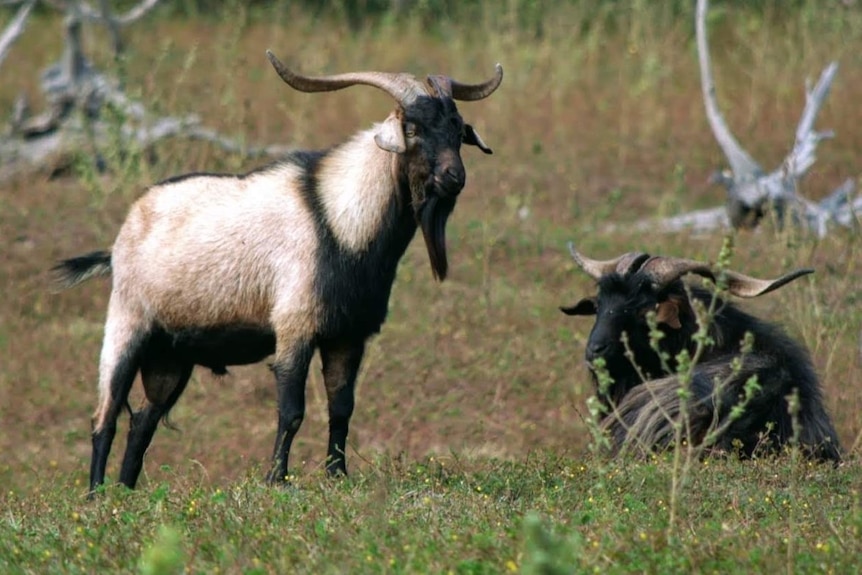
x: 291, y: 370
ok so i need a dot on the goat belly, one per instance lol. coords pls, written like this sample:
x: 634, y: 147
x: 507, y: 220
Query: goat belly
x: 217, y: 347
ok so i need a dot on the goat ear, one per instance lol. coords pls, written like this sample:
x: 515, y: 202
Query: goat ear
x: 390, y: 135
x: 586, y: 306
x: 472, y: 138
x: 667, y: 312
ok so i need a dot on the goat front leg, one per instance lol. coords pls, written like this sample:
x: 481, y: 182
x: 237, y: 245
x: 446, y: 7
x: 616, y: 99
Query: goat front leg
x: 341, y: 360
x: 291, y: 371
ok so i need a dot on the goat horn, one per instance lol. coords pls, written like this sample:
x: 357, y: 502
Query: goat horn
x: 597, y: 268
x: 401, y: 86
x: 663, y: 271
x: 469, y: 92
x: 744, y: 286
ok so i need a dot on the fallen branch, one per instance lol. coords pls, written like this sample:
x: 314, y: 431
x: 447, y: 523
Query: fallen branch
x: 839, y: 208
x: 751, y: 192
x: 15, y: 28
x: 77, y: 98
x: 130, y: 17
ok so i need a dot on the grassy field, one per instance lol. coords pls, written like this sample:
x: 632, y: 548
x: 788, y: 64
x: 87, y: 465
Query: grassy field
x: 470, y: 444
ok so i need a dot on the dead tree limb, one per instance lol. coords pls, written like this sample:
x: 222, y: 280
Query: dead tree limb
x: 78, y: 96
x: 15, y: 28
x: 751, y: 192
x: 87, y: 12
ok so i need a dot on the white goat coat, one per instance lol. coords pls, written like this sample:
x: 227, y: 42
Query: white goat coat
x: 211, y: 250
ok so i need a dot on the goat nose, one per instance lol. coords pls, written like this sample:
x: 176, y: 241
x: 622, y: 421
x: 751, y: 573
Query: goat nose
x: 453, y: 179
x: 596, y: 349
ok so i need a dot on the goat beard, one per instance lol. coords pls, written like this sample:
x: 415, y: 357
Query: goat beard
x: 432, y: 219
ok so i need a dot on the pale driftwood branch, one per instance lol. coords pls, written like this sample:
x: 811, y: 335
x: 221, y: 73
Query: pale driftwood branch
x: 58, y: 143
x: 838, y: 208
x: 698, y: 221
x: 751, y: 192
x: 102, y: 15
x: 741, y: 163
x: 136, y: 13
x: 15, y: 28
x: 77, y: 97
x: 803, y: 154
x: 55, y: 150
x: 234, y: 146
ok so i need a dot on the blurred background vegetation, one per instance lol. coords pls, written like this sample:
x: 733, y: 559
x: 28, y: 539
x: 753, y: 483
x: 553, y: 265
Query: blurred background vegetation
x: 529, y: 14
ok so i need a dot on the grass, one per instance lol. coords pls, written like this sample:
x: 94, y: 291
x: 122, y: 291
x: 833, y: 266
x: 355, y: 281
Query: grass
x: 469, y: 449
x: 540, y: 514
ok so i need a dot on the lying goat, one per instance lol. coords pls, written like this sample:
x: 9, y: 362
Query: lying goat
x: 643, y: 401
x: 220, y: 270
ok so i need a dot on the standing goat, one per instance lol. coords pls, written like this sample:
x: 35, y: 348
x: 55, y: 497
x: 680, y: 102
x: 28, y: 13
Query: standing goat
x: 220, y: 270
x: 643, y: 401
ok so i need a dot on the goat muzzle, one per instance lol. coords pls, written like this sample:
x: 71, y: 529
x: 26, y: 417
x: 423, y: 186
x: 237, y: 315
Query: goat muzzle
x: 450, y: 182
x: 449, y: 176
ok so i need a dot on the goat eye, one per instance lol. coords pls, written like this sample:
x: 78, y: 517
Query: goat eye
x: 410, y: 130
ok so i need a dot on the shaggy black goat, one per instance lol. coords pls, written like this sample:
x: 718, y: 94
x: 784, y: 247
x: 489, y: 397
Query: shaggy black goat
x: 643, y: 401
x: 220, y: 270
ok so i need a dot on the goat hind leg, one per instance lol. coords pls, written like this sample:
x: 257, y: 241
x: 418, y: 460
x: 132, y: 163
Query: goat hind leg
x: 341, y: 361
x: 119, y: 364
x: 164, y: 378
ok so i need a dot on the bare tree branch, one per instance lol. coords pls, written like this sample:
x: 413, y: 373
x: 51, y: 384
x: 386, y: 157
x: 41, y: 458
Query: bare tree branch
x: 15, y: 28
x: 234, y: 146
x: 741, y: 163
x: 132, y: 15
x: 137, y: 12
x: 750, y: 191
x: 838, y: 208
x: 698, y: 221
x: 78, y: 96
x: 56, y: 149
x: 802, y: 156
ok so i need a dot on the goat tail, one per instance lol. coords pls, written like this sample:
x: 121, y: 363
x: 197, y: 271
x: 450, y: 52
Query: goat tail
x: 79, y: 269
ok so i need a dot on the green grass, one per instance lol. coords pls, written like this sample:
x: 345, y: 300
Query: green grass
x: 540, y: 514
x: 470, y: 445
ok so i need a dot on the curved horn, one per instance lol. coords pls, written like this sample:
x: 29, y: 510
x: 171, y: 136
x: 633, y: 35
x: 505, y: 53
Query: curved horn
x: 468, y: 92
x: 744, y: 286
x: 401, y: 86
x: 663, y: 271
x: 597, y: 268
